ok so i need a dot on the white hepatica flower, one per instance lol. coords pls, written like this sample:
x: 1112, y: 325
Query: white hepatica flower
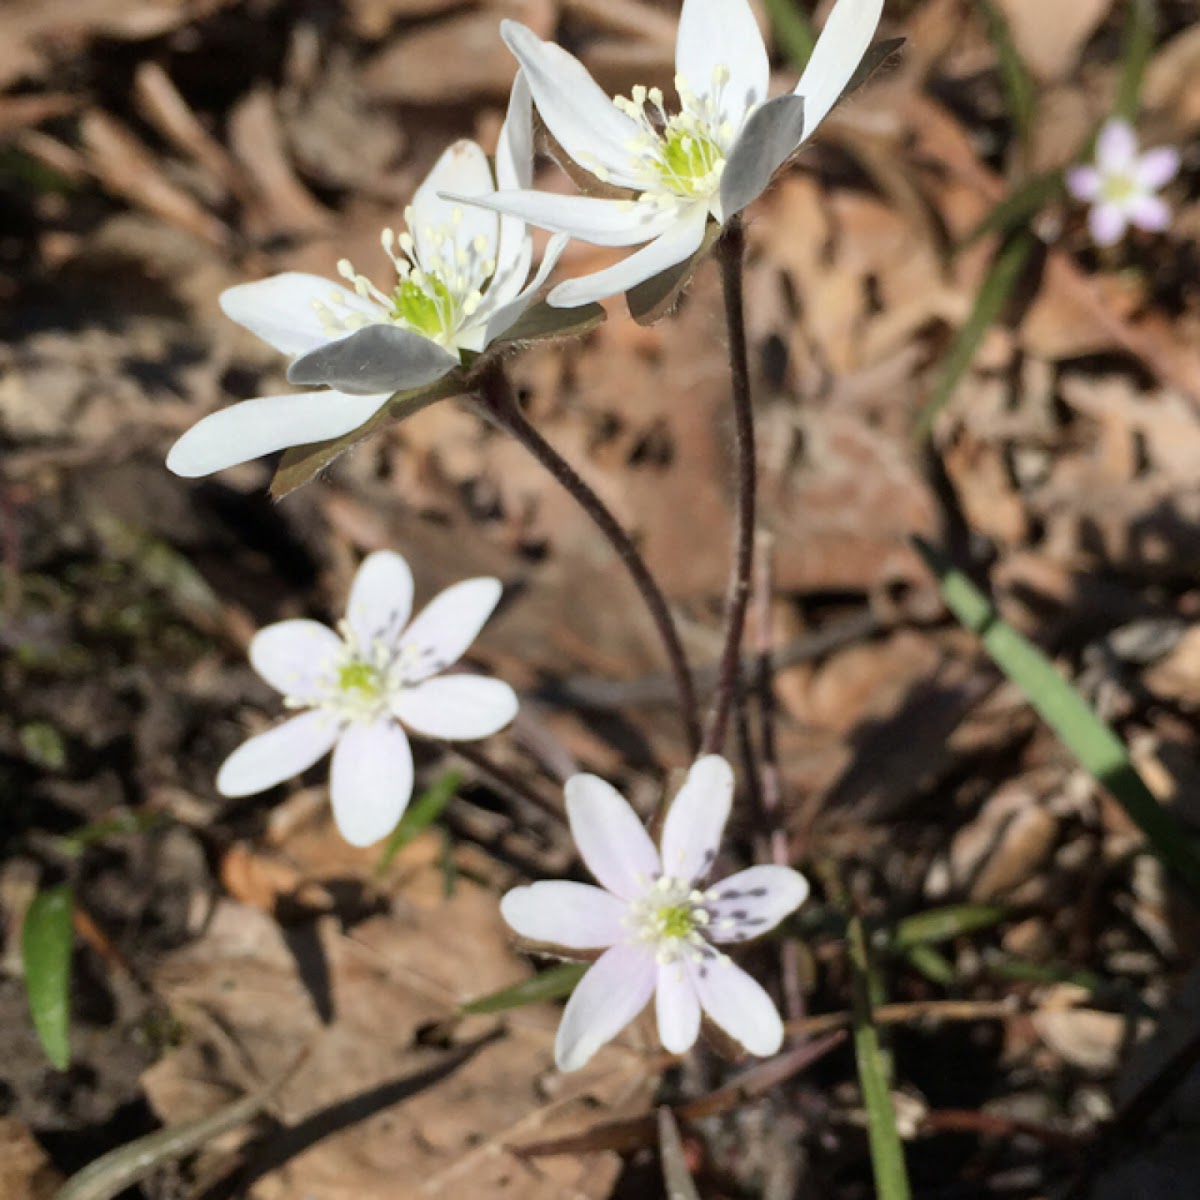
x: 710, y: 159
x: 361, y: 686
x: 657, y: 920
x: 1122, y: 183
x: 461, y: 282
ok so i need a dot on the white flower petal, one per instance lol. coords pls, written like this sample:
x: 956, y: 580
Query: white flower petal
x: 371, y: 781
x: 271, y: 757
x: 377, y: 358
x: 723, y: 33
x: 505, y: 316
x: 696, y: 819
x: 380, y: 599
x: 458, y: 707
x: 1107, y: 223
x: 443, y: 630
x: 835, y: 58
x: 514, y: 170
x: 1157, y: 167
x: 282, y: 310
x: 256, y: 427
x: 615, y: 989
x: 769, y: 137
x: 295, y: 657
x: 678, y: 1008
x: 1150, y: 213
x: 463, y: 168
x: 1116, y: 148
x: 610, y: 838
x: 754, y: 901
x: 738, y: 1004
x: 1084, y: 182
x: 601, y: 222
x: 675, y: 245
x: 576, y: 916
x: 585, y: 122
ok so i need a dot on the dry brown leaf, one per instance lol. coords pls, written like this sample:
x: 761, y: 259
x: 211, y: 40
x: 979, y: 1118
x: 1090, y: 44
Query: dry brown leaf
x: 445, y: 1131
x: 1084, y: 1037
x: 1049, y: 37
x: 25, y: 1170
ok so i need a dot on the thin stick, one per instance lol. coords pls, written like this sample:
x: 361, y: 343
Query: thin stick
x: 500, y: 404
x: 730, y: 252
x: 504, y: 778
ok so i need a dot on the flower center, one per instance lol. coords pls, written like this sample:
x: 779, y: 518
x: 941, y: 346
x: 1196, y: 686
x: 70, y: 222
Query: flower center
x: 360, y: 678
x: 680, y: 155
x: 441, y: 284
x: 671, y: 917
x: 1119, y: 189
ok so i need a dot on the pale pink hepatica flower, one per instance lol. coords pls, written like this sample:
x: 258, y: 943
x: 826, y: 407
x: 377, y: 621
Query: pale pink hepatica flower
x: 711, y: 159
x: 461, y: 284
x: 1121, y: 184
x: 657, y: 920
x: 360, y: 687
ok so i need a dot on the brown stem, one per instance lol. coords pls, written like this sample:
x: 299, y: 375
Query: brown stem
x: 504, y: 778
x: 500, y: 405
x: 730, y: 252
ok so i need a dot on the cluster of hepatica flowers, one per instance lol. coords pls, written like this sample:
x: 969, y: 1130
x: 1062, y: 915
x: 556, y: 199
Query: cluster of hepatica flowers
x: 658, y: 924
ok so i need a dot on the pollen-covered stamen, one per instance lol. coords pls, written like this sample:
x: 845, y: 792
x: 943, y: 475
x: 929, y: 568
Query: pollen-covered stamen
x: 671, y: 917
x: 681, y: 155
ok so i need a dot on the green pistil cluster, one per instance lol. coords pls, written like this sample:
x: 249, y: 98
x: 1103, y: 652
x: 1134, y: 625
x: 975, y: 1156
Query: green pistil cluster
x: 361, y: 679
x: 424, y: 305
x: 689, y: 161
x: 671, y: 918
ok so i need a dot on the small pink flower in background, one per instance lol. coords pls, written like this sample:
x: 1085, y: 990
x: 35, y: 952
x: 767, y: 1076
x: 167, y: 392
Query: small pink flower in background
x: 1121, y: 184
x: 657, y: 920
x: 362, y: 685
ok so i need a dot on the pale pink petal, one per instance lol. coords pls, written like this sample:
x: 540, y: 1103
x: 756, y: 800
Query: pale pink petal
x: 261, y: 426
x: 380, y: 599
x: 1157, y: 167
x: 738, y: 1004
x: 610, y: 838
x: 723, y: 35
x: 458, y: 707
x: 678, y: 1008
x: 278, y: 754
x: 676, y: 244
x: 1116, y: 148
x: 371, y: 781
x: 1151, y: 213
x: 1107, y: 223
x: 284, y: 310
x: 296, y: 657
x: 1084, y: 182
x: 444, y: 629
x: 754, y: 901
x: 576, y: 916
x: 696, y: 819
x: 615, y: 989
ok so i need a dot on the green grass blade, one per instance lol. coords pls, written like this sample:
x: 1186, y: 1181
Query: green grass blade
x: 943, y: 924
x: 551, y: 984
x: 1017, y: 209
x: 933, y: 964
x: 793, y: 31
x: 1018, y: 86
x: 419, y: 816
x: 1002, y: 277
x: 887, y: 1151
x: 1101, y: 753
x: 1141, y: 28
x: 46, y: 940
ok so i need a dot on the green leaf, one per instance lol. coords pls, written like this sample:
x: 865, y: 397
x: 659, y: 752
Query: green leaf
x: 931, y: 963
x: 1101, y: 753
x: 541, y: 322
x: 1018, y: 86
x: 301, y: 463
x: 46, y: 941
x: 1017, y: 209
x: 794, y: 33
x: 652, y: 299
x: 419, y: 816
x: 1141, y: 28
x: 73, y: 844
x: 1001, y: 279
x: 551, y: 984
x: 943, y: 924
x: 887, y: 1152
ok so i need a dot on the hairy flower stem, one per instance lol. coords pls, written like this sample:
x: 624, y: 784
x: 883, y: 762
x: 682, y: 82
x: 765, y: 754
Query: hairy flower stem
x: 730, y: 252
x: 498, y: 402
